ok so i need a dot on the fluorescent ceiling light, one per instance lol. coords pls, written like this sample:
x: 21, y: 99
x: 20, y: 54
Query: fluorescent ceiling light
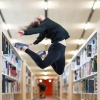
x: 81, y: 41
x: 40, y: 80
x: 86, y: 26
x: 73, y: 52
x: 4, y: 26
x: 49, y: 80
x: 68, y: 60
x: 45, y: 5
x: 95, y: 4
x: 2, y: 5
x: 45, y: 73
x: 45, y: 69
x: 78, y: 41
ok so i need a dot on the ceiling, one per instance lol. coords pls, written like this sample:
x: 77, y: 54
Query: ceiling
x: 71, y: 14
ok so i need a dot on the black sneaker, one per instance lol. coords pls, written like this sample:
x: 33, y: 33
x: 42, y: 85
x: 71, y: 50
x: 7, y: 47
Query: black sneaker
x: 40, y: 53
x: 20, y: 45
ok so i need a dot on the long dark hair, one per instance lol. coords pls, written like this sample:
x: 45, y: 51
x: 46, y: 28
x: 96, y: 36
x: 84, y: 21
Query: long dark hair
x: 31, y: 25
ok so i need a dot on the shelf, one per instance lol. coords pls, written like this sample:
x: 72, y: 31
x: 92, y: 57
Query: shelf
x: 85, y: 62
x: 57, y: 97
x: 64, y: 92
x: 65, y: 84
x: 7, y: 93
x: 10, y: 62
x: 28, y: 77
x: 10, y: 78
x: 86, y: 77
x: 90, y: 93
x: 28, y: 92
x: 10, y: 93
x: 94, y: 55
x: 63, y: 99
x: 76, y: 93
x: 28, y: 85
x: 87, y: 93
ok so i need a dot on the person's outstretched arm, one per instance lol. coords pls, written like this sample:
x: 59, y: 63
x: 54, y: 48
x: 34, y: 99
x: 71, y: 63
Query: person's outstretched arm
x: 39, y: 29
x: 39, y: 38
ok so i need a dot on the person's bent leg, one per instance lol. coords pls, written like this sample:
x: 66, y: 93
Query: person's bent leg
x: 59, y: 65
x: 52, y: 56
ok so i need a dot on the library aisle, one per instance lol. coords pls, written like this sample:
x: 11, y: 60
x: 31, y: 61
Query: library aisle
x: 49, y: 22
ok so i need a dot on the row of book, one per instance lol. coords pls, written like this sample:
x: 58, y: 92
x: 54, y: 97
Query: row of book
x: 85, y: 55
x: 65, y: 73
x: 65, y: 80
x: 9, y: 52
x: 9, y: 86
x: 86, y: 86
x: 87, y: 69
x: 28, y: 89
x: 56, y: 86
x: 65, y: 88
x: 10, y: 70
x: 28, y: 80
x: 12, y: 58
x: 28, y: 74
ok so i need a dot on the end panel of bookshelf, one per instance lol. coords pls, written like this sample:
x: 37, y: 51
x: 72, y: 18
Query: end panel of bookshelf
x: 0, y: 66
x: 98, y: 64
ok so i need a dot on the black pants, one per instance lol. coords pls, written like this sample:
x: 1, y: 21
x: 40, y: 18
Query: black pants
x: 55, y: 58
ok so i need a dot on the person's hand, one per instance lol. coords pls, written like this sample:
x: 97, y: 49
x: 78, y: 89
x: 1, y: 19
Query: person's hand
x: 20, y: 33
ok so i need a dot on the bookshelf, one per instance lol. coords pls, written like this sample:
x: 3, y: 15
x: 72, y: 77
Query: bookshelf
x: 85, y: 66
x: 26, y: 84
x: 35, y: 88
x: 14, y: 73
x: 67, y: 84
x: 11, y: 69
x: 56, y: 88
x: 0, y: 66
x: 80, y: 80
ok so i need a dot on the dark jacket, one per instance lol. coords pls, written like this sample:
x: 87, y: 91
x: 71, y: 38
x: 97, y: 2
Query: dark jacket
x: 42, y: 86
x: 48, y: 29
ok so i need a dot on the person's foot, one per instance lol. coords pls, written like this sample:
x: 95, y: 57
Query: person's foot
x: 40, y: 53
x: 20, y: 45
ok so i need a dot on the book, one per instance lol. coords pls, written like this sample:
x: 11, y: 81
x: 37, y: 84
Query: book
x: 3, y: 83
x: 89, y: 50
x: 90, y: 86
x: 94, y: 64
x: 78, y: 60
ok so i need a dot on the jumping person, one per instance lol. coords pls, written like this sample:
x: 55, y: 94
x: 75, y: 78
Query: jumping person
x: 42, y: 88
x: 45, y: 27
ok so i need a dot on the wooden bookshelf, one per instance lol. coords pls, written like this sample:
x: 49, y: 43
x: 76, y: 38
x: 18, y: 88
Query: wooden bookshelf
x: 10, y: 70
x: 64, y: 78
x: 0, y: 64
x: 56, y: 88
x: 67, y: 84
x: 26, y: 84
x: 85, y: 69
x: 75, y: 83
x: 24, y: 80
x: 35, y: 88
